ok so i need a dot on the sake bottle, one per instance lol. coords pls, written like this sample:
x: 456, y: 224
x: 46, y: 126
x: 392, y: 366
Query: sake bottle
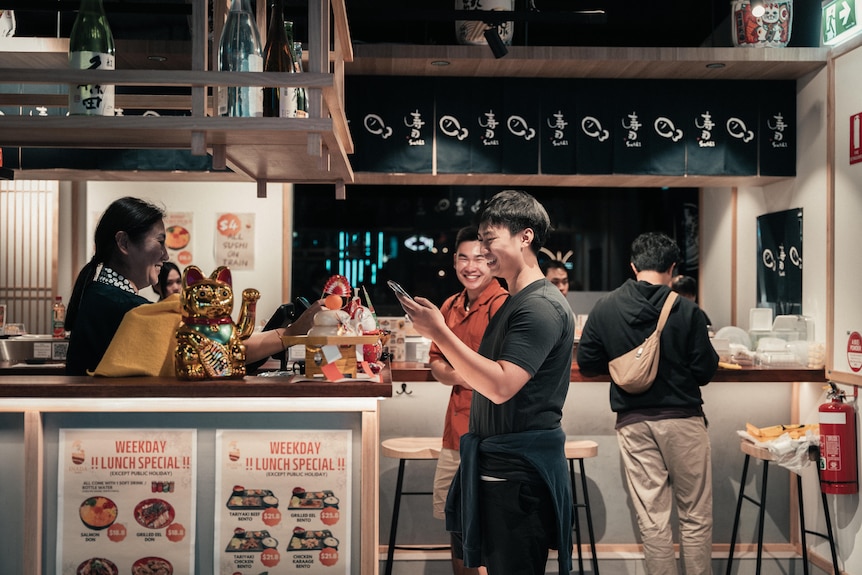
x: 301, y: 93
x: 239, y: 51
x: 58, y: 317
x: 91, y: 47
x: 278, y: 101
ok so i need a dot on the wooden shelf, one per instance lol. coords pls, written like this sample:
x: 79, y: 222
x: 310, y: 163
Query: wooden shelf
x: 257, y: 149
x: 577, y: 180
x: 588, y: 62
x: 312, y: 150
x: 53, y: 53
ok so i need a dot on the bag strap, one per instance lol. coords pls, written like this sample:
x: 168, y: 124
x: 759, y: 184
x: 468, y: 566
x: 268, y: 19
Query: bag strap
x: 665, y: 311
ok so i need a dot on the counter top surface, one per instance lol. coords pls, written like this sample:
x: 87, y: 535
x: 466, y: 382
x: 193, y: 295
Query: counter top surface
x: 20, y: 384
x: 62, y: 386
x: 411, y: 371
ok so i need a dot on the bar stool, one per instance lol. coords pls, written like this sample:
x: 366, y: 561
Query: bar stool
x: 402, y: 449
x: 580, y: 450
x: 751, y: 450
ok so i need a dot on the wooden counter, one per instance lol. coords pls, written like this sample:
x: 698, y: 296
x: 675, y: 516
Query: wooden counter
x: 70, y: 387
x: 411, y: 371
x: 35, y: 396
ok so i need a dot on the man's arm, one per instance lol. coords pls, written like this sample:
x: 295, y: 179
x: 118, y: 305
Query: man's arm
x: 443, y: 372
x: 704, y: 359
x: 592, y: 356
x: 499, y: 381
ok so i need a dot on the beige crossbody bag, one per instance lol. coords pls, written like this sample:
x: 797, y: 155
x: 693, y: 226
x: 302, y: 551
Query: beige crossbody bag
x: 635, y: 371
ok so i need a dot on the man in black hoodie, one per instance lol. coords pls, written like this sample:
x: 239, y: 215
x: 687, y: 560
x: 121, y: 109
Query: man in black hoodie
x: 662, y: 432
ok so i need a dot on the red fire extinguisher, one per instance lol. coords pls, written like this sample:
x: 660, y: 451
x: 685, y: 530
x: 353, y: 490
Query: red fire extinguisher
x: 838, y: 471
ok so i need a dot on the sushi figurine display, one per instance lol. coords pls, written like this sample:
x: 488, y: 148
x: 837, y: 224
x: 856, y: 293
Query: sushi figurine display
x: 345, y: 323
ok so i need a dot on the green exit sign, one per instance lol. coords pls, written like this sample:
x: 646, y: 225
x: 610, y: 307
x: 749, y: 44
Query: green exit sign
x: 839, y: 21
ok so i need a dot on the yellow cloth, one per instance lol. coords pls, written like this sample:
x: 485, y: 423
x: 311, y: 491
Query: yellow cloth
x: 145, y: 342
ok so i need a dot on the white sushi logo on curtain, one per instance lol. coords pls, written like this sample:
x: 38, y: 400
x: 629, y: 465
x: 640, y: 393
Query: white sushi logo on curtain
x: 490, y: 123
x: 632, y: 126
x: 665, y: 128
x: 592, y: 127
x: 737, y: 129
x: 705, y: 125
x: 415, y: 123
x: 558, y: 124
x: 375, y: 125
x: 519, y: 127
x: 451, y: 126
x: 777, y: 125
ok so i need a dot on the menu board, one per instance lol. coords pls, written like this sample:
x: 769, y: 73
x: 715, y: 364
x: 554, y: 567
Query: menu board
x: 126, y: 501
x: 282, y: 501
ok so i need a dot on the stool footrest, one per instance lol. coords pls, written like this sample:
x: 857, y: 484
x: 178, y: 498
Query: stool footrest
x: 440, y: 547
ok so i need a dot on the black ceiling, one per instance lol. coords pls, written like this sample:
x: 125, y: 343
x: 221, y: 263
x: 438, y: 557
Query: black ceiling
x: 680, y: 23
x: 631, y: 23
x: 550, y: 23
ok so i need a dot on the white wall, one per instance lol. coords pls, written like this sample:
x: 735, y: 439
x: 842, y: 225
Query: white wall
x: 716, y: 259
x: 808, y: 191
x: 206, y: 199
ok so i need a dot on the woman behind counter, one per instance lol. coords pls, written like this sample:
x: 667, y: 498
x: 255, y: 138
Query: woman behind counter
x: 170, y: 281
x: 130, y: 248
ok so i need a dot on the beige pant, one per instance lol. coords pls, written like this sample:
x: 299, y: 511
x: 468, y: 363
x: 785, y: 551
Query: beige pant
x: 668, y: 461
x: 447, y: 465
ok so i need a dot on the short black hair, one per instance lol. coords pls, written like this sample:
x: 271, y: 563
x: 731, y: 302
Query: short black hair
x: 654, y: 251
x: 516, y: 211
x: 467, y: 234
x: 684, y: 285
x: 553, y: 265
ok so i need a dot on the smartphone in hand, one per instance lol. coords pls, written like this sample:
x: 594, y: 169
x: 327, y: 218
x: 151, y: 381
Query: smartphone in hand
x: 394, y: 286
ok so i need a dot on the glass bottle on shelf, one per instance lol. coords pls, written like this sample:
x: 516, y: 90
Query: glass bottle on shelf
x: 58, y: 317
x: 301, y: 93
x: 278, y: 101
x: 239, y: 51
x: 91, y: 47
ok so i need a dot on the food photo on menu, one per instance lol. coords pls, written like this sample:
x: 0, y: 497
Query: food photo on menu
x: 100, y: 513
x: 256, y: 499
x: 302, y: 499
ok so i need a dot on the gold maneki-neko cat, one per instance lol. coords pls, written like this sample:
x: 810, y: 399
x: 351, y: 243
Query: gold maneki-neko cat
x: 209, y: 344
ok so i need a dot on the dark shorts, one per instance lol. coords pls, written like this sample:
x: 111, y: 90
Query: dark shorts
x: 518, y: 526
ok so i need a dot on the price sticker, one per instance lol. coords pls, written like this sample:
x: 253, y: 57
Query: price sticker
x: 229, y: 225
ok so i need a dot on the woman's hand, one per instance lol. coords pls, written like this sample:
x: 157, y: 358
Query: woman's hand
x: 304, y: 322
